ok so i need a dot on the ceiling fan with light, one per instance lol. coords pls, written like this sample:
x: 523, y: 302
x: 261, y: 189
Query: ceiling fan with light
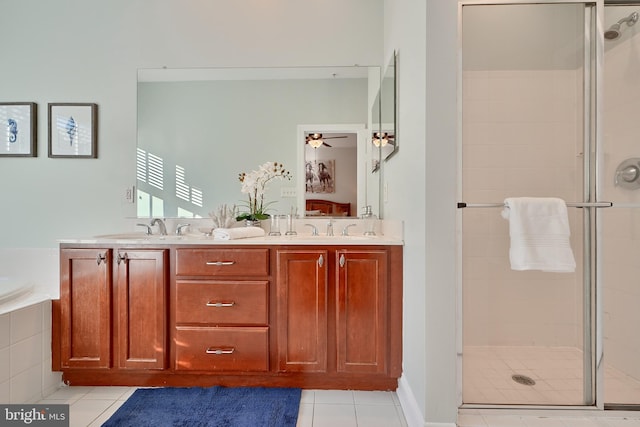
x: 316, y: 140
x: 381, y: 139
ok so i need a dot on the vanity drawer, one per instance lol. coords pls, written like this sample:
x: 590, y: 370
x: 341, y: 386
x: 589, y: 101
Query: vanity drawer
x: 222, y: 349
x: 222, y: 262
x: 217, y: 302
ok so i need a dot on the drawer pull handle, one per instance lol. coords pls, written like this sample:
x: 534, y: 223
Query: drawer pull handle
x: 212, y: 350
x: 220, y: 304
x: 220, y: 262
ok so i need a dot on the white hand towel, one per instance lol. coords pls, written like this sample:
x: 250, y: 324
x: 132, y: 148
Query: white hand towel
x: 539, y: 230
x: 237, y: 233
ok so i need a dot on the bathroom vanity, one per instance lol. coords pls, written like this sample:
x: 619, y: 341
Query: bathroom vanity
x: 310, y: 313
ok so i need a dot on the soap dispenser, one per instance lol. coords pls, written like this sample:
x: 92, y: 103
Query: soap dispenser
x: 369, y: 221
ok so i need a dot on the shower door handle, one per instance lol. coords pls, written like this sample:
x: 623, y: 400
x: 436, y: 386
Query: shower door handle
x: 591, y: 205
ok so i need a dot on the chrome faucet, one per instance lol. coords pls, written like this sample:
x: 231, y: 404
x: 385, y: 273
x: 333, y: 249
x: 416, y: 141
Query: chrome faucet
x: 160, y: 224
x: 314, y: 229
x: 148, y: 232
x: 330, y: 228
x: 345, y: 230
x: 180, y: 227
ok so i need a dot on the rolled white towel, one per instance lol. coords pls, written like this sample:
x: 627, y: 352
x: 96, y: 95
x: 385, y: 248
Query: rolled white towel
x: 237, y: 233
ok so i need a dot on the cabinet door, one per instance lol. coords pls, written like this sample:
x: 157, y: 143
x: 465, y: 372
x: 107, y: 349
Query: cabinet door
x: 141, y: 307
x: 361, y: 311
x: 85, y: 308
x: 302, y: 310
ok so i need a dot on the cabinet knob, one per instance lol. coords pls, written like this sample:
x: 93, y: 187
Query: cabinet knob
x: 342, y: 260
x: 320, y: 260
x: 213, y: 350
x: 101, y: 257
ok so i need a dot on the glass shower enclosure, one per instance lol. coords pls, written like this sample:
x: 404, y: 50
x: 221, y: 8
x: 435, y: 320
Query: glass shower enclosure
x: 550, y: 94
x: 528, y: 129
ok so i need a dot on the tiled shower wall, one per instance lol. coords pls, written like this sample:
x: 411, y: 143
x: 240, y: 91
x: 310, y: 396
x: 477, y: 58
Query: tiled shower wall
x: 621, y: 226
x: 522, y: 136
x: 25, y: 355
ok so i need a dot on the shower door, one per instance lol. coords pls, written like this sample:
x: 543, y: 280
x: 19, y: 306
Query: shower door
x: 620, y: 226
x: 527, y: 89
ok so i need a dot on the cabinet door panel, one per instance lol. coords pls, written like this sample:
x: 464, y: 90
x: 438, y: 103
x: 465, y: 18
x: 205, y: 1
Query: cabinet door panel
x: 302, y: 310
x: 361, y: 314
x: 142, y: 308
x: 85, y: 308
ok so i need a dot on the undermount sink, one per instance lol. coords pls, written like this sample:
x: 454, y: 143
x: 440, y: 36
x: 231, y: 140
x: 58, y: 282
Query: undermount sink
x: 129, y: 236
x: 337, y: 237
x: 144, y: 236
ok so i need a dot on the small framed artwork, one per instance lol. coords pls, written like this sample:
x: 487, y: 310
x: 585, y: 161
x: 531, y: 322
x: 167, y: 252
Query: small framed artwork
x: 19, y: 122
x: 73, y: 130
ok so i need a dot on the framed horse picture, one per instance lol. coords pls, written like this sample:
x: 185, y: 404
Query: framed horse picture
x: 320, y: 176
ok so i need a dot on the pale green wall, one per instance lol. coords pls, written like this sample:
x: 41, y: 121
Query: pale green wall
x: 421, y: 181
x: 90, y: 51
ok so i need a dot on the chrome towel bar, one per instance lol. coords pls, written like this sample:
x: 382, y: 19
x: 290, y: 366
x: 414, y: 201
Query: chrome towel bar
x: 569, y: 204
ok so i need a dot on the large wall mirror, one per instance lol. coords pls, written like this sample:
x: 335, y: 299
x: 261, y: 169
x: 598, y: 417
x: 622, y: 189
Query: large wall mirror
x: 384, y: 138
x: 198, y: 129
x: 387, y: 139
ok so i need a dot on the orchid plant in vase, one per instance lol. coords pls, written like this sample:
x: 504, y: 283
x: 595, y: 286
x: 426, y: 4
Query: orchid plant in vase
x: 254, y: 184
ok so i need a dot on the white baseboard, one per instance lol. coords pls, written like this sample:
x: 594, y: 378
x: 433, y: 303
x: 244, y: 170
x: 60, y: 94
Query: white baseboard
x: 411, y: 409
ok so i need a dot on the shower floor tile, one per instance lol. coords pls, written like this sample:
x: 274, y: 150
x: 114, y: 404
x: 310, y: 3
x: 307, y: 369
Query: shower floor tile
x: 557, y: 372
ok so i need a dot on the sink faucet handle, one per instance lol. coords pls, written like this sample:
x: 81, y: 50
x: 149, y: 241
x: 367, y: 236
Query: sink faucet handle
x: 148, y: 232
x: 180, y: 227
x: 330, y: 228
x: 314, y: 229
x: 345, y: 230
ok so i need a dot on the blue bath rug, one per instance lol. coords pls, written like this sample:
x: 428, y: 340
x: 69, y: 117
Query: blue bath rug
x: 213, y: 406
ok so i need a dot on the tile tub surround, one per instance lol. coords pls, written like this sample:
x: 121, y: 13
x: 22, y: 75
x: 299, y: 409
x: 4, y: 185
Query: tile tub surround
x: 25, y: 355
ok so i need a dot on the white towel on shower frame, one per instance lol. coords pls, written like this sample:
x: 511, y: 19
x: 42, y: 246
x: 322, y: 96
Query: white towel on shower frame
x: 539, y: 231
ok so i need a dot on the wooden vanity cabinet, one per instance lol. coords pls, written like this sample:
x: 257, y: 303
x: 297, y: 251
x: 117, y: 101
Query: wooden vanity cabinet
x: 303, y: 309
x: 335, y: 312
x: 361, y: 311
x: 113, y: 306
x: 141, y: 308
x: 85, y: 308
x: 310, y: 316
x: 221, y: 304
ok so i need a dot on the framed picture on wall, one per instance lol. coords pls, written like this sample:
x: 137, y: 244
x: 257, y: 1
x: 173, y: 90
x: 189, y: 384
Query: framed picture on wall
x: 320, y: 176
x: 73, y: 130
x: 19, y: 122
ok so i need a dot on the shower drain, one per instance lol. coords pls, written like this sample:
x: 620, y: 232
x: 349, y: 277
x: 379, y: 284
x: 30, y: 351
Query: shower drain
x: 523, y: 379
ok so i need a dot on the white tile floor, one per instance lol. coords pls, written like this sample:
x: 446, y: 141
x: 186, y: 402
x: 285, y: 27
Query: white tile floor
x: 557, y: 372
x: 496, y: 420
x: 92, y: 406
